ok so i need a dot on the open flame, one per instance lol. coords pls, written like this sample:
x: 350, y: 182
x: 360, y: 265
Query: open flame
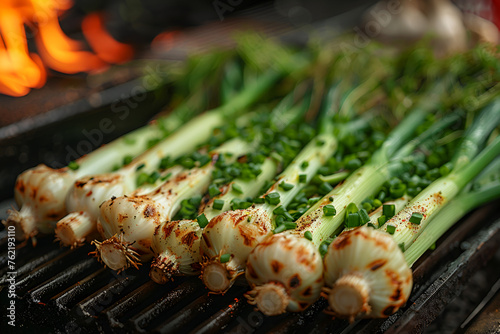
x: 21, y: 70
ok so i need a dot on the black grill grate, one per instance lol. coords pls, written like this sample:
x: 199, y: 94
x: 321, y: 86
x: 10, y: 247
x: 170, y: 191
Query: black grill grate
x: 68, y: 291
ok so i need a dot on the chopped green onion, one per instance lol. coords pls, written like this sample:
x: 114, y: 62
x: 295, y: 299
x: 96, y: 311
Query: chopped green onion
x: 329, y: 210
x: 302, y: 178
x: 402, y: 246
x: 323, y: 248
x: 325, y: 187
x: 290, y: 226
x: 218, y: 204
x: 416, y: 217
x: 389, y: 210
x: 377, y: 203
x: 381, y: 220
x: 351, y: 208
x: 371, y: 225
x: 127, y: 159
x: 308, y: 235
x: 273, y: 198
x: 313, y: 200
x: 304, y: 165
x: 153, y: 177
x: 363, y: 215
x: 391, y: 229
x: 141, y: 179
x: 225, y: 258
x: 280, y: 210
x: 141, y: 166
x: 165, y: 177
x: 202, y: 220
x: 213, y: 190
x: 286, y: 186
x: 279, y: 228
x: 237, y: 189
x: 367, y: 206
x: 353, y: 164
x: 353, y: 220
x: 73, y: 165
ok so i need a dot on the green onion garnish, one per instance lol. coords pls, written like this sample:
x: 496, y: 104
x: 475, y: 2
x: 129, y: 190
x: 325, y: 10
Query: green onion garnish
x: 363, y: 215
x: 286, y: 186
x: 389, y: 210
x: 73, y: 165
x: 416, y: 217
x: 225, y: 258
x: 279, y: 228
x: 202, y: 220
x: 141, y: 166
x: 329, y: 210
x: 308, y: 235
x: 280, y: 210
x: 213, y: 190
x: 237, y: 189
x: 391, y: 229
x: 218, y: 204
x: 353, y: 220
x: 302, y: 178
x: 381, y: 220
x: 273, y: 198
x: 304, y: 165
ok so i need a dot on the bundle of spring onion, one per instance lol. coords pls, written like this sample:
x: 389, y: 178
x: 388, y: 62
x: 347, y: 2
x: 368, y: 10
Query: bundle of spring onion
x: 365, y: 269
x: 41, y: 191
x: 142, y: 174
x: 129, y: 222
x: 176, y: 243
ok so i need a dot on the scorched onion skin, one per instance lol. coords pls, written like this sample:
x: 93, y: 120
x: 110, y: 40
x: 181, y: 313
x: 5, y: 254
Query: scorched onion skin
x: 40, y: 192
x: 235, y: 233
x: 366, y: 275
x: 176, y: 245
x: 289, y: 279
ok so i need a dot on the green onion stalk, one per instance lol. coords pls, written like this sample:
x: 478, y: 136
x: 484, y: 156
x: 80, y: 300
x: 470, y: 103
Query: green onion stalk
x: 128, y: 223
x: 176, y: 243
x: 285, y: 271
x: 87, y: 193
x: 458, y: 207
x: 365, y: 268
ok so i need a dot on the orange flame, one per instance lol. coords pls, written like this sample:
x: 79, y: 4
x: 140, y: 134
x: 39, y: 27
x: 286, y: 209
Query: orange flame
x: 20, y: 70
x: 101, y: 41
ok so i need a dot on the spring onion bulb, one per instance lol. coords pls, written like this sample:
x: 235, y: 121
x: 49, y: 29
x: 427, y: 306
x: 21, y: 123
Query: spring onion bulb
x: 128, y: 222
x: 176, y: 244
x: 41, y: 191
x: 369, y: 272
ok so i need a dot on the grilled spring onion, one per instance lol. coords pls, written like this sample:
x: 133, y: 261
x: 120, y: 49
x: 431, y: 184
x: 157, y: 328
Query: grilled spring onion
x: 41, y: 191
x: 317, y: 224
x: 73, y: 229
x: 176, y: 244
x: 368, y: 276
x: 128, y: 222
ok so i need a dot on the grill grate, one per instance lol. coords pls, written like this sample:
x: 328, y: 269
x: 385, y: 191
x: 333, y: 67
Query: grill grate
x: 67, y: 290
